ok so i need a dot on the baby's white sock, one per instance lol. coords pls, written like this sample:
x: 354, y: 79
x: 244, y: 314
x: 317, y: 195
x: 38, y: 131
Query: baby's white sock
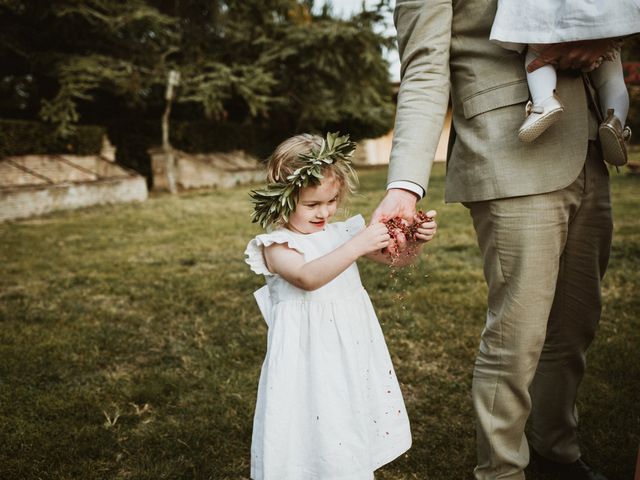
x: 608, y: 79
x: 542, y: 82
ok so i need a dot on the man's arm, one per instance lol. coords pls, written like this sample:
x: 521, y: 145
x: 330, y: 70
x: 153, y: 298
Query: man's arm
x: 424, y: 37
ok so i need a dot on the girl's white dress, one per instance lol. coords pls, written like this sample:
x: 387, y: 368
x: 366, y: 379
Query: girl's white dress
x: 521, y: 22
x: 329, y: 405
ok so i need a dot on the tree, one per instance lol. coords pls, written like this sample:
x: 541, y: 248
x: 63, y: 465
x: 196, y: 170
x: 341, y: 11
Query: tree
x: 67, y: 52
x: 300, y: 71
x: 272, y: 64
x: 331, y: 73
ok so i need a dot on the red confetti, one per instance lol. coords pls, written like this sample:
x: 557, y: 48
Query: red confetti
x: 410, y: 232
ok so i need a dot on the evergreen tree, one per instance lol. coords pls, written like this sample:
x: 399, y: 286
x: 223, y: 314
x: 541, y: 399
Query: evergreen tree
x: 271, y: 63
x: 67, y: 52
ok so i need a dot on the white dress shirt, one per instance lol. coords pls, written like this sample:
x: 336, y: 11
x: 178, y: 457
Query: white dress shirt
x: 406, y: 185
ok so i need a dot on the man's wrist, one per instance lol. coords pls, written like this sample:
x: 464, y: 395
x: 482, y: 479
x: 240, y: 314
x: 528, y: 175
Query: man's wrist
x: 404, y: 193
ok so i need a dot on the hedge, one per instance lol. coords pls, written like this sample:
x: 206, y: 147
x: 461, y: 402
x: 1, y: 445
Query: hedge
x: 22, y: 137
x: 203, y: 136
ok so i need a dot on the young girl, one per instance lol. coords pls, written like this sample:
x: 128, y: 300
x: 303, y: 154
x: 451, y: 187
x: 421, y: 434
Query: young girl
x: 533, y: 23
x: 329, y: 406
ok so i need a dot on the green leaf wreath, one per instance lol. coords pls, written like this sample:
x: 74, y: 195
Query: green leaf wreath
x: 278, y: 200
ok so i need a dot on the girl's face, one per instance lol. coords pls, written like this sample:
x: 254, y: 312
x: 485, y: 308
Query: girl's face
x: 316, y: 205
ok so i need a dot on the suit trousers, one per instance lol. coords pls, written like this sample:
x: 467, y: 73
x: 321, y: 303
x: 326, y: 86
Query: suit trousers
x: 544, y: 257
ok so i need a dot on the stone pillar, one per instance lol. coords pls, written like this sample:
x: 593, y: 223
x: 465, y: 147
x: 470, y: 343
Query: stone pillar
x: 163, y: 169
x: 108, y: 151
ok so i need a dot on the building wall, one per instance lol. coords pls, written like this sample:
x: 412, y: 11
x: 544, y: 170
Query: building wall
x: 378, y: 150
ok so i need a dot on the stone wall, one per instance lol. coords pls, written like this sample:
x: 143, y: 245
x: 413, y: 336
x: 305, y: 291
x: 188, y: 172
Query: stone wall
x: 37, y: 184
x: 211, y: 170
x: 37, y: 200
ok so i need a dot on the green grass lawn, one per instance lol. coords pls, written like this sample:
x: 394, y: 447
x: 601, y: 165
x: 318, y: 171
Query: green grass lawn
x: 130, y: 344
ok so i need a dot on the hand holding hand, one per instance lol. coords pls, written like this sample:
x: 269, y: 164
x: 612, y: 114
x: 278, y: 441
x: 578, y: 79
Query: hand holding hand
x: 396, y: 203
x: 582, y: 55
x: 372, y: 239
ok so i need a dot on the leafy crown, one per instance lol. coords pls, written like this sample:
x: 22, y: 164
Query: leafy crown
x: 278, y: 200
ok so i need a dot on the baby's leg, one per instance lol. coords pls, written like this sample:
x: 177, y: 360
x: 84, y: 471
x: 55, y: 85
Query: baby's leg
x: 542, y: 82
x: 545, y: 108
x: 608, y: 79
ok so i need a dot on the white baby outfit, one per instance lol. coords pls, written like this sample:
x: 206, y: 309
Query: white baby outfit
x: 329, y: 405
x: 552, y: 21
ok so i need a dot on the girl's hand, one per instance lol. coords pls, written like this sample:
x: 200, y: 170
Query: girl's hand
x: 427, y: 230
x: 372, y: 239
x: 396, y: 203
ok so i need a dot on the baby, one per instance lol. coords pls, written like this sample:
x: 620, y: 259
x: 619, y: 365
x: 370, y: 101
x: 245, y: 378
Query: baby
x: 534, y: 25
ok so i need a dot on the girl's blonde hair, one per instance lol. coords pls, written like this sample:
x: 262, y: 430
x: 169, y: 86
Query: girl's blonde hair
x: 286, y: 159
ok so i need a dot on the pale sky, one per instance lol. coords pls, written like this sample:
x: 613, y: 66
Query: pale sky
x: 345, y: 8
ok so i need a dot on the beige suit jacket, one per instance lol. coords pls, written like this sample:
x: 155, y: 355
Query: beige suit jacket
x: 445, y: 51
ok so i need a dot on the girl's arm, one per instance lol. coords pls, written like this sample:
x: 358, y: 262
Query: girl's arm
x: 291, y: 266
x: 425, y: 233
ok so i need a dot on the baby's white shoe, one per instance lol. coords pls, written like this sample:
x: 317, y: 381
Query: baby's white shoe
x: 614, y: 139
x: 539, y: 117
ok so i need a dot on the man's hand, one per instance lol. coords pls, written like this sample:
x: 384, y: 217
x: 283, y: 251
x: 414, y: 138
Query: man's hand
x: 583, y: 55
x: 396, y: 203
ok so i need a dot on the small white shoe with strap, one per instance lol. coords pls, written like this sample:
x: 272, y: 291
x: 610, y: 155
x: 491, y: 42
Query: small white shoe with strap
x: 539, y: 117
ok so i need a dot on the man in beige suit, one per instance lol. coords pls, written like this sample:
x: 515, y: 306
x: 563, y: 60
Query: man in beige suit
x: 541, y: 212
